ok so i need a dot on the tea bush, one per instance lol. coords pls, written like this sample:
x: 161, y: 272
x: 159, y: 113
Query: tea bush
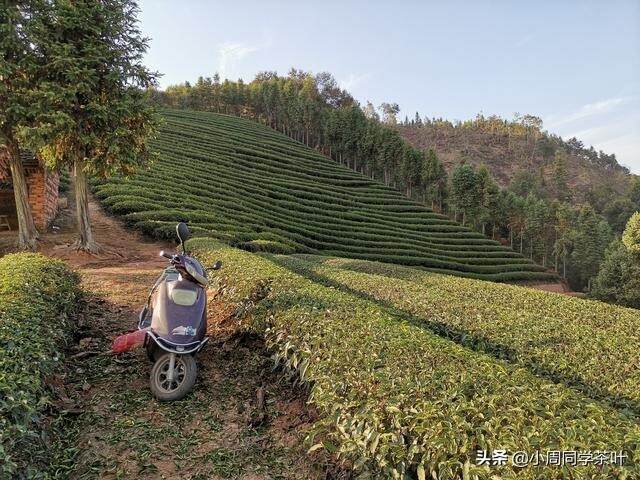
x: 37, y: 298
x: 237, y: 181
x: 592, y: 346
x: 396, y: 399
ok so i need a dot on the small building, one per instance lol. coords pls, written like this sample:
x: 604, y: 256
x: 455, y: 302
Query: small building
x: 42, y: 185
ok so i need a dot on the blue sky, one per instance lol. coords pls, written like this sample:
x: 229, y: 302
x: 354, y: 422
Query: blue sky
x: 576, y: 64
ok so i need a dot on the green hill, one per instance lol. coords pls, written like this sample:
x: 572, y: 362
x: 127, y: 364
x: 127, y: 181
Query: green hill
x: 253, y: 187
x: 510, y: 149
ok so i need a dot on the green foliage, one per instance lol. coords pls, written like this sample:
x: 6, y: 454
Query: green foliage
x: 65, y: 181
x: 395, y: 398
x: 631, y: 234
x: 561, y: 176
x: 504, y: 322
x: 37, y: 297
x: 91, y: 88
x: 618, y: 280
x: 590, y: 238
x: 238, y: 181
x: 12, y: 85
x: 434, y: 177
x: 464, y: 191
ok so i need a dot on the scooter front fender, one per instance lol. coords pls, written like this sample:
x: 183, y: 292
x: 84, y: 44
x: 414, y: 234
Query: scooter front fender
x: 170, y: 347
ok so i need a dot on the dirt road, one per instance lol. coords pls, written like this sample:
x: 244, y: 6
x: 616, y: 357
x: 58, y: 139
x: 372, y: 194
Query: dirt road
x: 218, y: 431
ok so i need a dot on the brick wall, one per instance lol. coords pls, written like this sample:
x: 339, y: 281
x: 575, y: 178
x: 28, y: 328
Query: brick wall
x: 43, y: 195
x: 42, y: 185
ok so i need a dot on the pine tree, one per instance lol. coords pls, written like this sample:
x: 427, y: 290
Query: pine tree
x: 590, y: 238
x: 618, y: 280
x: 433, y: 177
x: 488, y: 196
x: 560, y: 176
x: 464, y: 191
x: 19, y: 63
x: 563, y: 232
x: 94, y: 89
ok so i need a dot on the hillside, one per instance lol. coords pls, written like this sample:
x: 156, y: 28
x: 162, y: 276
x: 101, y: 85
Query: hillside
x: 507, y: 148
x: 253, y: 187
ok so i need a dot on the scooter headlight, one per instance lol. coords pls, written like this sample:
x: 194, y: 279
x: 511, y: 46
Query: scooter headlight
x: 186, y: 298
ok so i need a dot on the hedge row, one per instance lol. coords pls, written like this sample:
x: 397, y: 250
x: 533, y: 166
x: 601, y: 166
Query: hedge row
x: 396, y: 399
x: 37, y: 298
x: 591, y: 346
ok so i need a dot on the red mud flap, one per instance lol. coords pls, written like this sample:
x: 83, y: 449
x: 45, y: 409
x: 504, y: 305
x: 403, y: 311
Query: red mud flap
x: 128, y: 341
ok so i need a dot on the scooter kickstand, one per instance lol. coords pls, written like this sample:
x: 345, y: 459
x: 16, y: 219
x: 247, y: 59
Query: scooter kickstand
x: 172, y: 364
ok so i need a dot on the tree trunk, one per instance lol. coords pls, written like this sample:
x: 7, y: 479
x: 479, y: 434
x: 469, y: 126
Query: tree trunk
x: 85, y: 236
x: 521, y: 240
x: 27, y: 233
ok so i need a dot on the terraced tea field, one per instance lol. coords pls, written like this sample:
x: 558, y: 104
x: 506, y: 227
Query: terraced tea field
x: 399, y: 398
x: 252, y: 187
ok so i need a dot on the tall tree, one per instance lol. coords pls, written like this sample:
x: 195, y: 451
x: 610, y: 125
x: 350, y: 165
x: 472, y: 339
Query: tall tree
x: 590, y: 239
x: 464, y: 191
x: 389, y: 112
x: 95, y: 90
x: 18, y: 64
x: 561, y: 176
x: 488, y: 193
x: 631, y: 234
x: 619, y: 277
x: 370, y: 112
x: 434, y: 179
x: 563, y: 233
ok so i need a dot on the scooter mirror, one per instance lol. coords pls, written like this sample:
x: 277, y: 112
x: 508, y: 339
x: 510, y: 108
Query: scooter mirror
x: 217, y: 265
x: 183, y: 232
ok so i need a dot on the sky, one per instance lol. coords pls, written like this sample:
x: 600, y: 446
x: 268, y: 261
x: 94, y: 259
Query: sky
x: 575, y: 64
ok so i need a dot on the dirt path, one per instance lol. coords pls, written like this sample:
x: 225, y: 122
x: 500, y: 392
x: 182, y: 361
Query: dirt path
x: 217, y: 431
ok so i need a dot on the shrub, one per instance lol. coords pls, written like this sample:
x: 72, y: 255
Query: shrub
x: 37, y: 298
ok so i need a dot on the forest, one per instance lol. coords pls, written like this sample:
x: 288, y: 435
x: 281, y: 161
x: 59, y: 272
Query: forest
x: 541, y: 212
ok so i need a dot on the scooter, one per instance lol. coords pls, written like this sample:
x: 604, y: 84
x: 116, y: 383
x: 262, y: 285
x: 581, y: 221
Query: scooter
x: 173, y: 323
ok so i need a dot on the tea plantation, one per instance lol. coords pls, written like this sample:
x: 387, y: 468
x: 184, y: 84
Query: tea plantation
x: 252, y: 187
x: 38, y: 297
x: 399, y: 400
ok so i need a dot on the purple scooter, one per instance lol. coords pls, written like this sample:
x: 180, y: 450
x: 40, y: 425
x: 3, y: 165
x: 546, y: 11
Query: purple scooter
x: 175, y: 322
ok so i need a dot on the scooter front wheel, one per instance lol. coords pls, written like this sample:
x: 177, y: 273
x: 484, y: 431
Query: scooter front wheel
x: 166, y: 387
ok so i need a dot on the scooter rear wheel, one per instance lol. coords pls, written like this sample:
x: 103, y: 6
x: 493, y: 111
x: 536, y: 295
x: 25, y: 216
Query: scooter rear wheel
x: 185, y: 373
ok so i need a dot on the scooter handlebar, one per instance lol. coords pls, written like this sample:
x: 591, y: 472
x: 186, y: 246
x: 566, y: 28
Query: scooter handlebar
x: 166, y: 255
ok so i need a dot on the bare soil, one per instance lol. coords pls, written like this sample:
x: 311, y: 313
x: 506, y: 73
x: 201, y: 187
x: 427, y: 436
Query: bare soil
x: 242, y: 419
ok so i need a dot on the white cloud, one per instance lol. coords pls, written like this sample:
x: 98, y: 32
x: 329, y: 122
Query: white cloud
x: 353, y: 81
x: 231, y: 53
x: 590, y: 110
x: 524, y: 40
x: 611, y: 125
